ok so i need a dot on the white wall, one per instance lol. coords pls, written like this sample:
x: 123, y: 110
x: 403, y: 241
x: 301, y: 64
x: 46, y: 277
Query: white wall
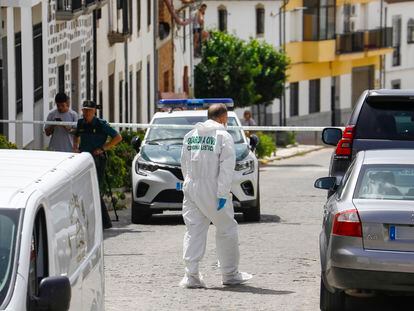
x: 373, y: 15
x: 75, y: 40
x: 404, y: 72
x: 61, y: 40
x: 326, y: 94
x: 303, y: 98
x: 140, y: 48
x: 345, y: 91
x: 241, y: 19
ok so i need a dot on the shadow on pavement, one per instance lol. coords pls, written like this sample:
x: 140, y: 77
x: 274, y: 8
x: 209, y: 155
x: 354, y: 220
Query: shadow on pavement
x: 173, y: 219
x: 115, y: 231
x: 292, y: 165
x: 252, y: 290
x: 264, y: 218
x: 163, y: 220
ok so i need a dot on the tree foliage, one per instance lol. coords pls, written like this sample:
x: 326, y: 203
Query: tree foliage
x: 5, y: 144
x: 249, y: 72
x: 270, y: 75
x: 266, y: 146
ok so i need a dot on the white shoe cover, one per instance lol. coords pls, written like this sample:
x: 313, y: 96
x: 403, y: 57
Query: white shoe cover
x: 239, y: 278
x: 191, y: 281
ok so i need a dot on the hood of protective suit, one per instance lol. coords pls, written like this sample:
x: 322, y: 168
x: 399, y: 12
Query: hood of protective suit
x: 209, y: 125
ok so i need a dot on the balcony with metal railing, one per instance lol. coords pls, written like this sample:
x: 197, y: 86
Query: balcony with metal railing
x: 364, y: 41
x: 352, y: 42
x: 379, y: 38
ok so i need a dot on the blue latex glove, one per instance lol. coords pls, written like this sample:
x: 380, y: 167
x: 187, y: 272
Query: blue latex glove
x: 221, y: 203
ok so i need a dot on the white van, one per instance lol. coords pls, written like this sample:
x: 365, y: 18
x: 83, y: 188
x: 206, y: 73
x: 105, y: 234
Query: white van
x: 51, y: 240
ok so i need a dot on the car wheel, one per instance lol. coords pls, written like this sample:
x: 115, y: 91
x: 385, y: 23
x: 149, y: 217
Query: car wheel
x: 253, y: 213
x: 331, y: 301
x: 140, y: 214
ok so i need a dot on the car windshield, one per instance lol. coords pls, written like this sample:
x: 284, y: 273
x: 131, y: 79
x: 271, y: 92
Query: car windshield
x: 160, y: 134
x: 9, y: 221
x: 390, y: 120
x: 386, y: 182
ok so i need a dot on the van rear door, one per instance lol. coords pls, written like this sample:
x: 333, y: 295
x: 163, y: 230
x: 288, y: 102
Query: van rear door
x: 385, y: 122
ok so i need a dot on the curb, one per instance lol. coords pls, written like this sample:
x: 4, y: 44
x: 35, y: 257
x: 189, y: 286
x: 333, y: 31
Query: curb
x: 299, y: 153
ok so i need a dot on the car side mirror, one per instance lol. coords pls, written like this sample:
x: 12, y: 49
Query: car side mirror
x: 254, y: 141
x: 326, y: 183
x: 136, y: 143
x: 54, y: 294
x: 331, y: 136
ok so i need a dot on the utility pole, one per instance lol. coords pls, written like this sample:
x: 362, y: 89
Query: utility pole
x: 382, y: 41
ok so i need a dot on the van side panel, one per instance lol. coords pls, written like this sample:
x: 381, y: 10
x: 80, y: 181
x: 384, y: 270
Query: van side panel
x: 90, y: 251
x: 63, y: 228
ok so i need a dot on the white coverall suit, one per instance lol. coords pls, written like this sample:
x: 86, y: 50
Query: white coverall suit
x: 208, y: 161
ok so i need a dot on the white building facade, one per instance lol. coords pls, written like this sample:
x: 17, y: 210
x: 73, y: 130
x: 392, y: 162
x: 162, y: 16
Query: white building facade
x: 126, y: 57
x: 335, y: 48
x: 47, y: 47
x: 114, y: 52
x: 400, y: 64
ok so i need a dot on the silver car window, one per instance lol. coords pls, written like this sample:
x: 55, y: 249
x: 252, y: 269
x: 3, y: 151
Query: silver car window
x: 386, y: 182
x: 344, y: 180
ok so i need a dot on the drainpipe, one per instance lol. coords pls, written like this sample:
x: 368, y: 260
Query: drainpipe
x: 381, y: 42
x: 95, y: 62
x: 127, y: 116
x: 192, y: 90
x: 155, y: 30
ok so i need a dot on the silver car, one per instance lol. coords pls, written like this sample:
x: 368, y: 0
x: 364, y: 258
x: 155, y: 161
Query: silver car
x: 367, y: 238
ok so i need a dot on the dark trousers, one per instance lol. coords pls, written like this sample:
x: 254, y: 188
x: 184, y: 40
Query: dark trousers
x: 100, y: 163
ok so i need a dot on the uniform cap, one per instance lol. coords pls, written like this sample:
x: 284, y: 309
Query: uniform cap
x: 89, y: 104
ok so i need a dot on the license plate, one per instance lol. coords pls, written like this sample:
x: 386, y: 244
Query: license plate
x: 179, y: 186
x: 401, y: 233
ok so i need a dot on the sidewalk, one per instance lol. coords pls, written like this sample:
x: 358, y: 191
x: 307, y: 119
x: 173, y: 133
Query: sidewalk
x: 291, y: 151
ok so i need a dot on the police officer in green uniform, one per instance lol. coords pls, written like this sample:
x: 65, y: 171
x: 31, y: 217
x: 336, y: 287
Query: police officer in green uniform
x: 92, y: 136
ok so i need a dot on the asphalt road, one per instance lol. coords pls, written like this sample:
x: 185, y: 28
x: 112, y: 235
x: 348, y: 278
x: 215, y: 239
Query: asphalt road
x: 143, y: 264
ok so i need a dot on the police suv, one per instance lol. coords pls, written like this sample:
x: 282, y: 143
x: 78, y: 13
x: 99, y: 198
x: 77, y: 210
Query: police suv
x: 156, y: 170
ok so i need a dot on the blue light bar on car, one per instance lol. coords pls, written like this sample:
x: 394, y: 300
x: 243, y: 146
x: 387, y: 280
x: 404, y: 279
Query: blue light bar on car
x: 194, y: 103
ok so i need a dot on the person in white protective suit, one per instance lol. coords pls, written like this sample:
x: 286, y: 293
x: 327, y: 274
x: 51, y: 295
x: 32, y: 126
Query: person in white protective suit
x: 207, y: 162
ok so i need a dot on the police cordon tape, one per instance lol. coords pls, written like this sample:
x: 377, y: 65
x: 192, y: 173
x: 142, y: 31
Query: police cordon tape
x: 179, y: 126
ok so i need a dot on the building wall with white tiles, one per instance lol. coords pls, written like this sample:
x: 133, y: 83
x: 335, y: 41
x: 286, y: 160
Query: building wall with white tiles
x: 62, y: 42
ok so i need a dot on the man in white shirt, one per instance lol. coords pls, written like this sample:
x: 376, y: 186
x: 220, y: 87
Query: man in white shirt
x: 61, y: 136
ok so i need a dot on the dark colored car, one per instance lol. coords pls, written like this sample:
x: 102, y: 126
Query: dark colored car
x: 381, y: 119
